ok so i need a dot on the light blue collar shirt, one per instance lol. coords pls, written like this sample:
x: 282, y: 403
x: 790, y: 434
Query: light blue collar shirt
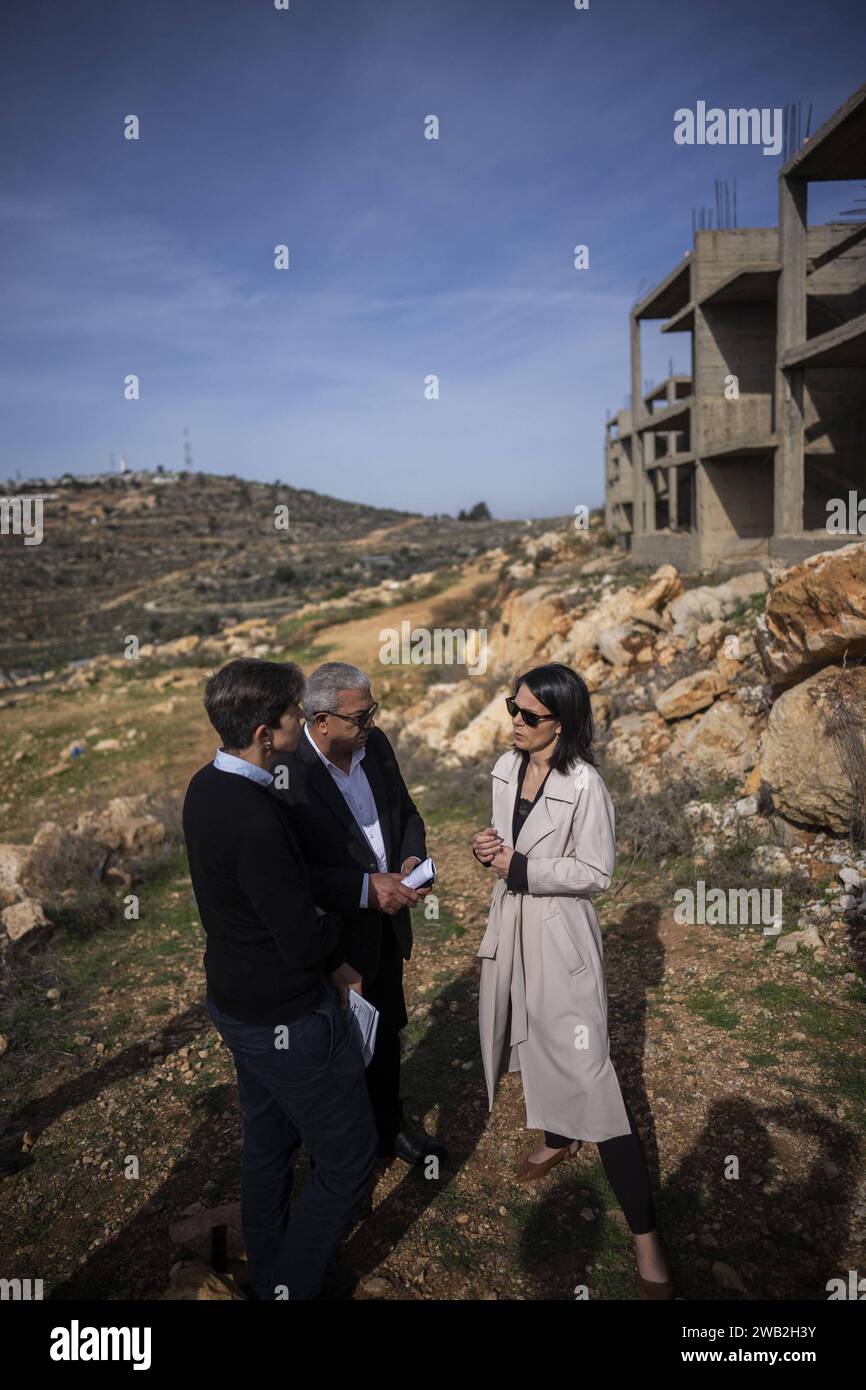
x: 227, y: 762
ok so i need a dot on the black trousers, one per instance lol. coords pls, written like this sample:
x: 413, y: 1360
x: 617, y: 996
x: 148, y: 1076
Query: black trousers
x: 625, y: 1169
x: 385, y: 992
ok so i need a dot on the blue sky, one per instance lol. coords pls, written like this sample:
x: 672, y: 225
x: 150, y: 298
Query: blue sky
x: 408, y: 256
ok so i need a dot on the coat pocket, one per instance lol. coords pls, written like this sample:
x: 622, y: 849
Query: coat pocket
x: 576, y: 963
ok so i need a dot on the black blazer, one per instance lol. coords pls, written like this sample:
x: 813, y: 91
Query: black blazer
x: 337, y: 851
x: 268, y: 948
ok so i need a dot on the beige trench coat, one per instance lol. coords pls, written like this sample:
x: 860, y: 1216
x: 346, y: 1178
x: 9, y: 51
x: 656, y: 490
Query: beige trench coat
x: 543, y: 997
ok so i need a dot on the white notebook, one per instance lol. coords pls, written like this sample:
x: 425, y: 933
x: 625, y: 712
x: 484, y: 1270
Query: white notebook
x: 366, y: 1021
x: 421, y: 875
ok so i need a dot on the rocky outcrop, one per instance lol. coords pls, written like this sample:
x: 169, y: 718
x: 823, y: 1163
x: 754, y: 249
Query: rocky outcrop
x: 100, y: 844
x: 815, y: 616
x: 617, y: 611
x: 530, y: 621
x: 813, y: 751
x: 451, y: 712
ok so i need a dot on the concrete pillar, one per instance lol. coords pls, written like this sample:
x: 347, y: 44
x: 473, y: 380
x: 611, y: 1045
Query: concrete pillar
x: 636, y: 384
x: 672, y: 497
x: 790, y: 330
x: 648, y: 441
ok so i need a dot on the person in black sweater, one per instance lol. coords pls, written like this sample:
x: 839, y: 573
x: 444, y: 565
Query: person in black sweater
x: 277, y: 988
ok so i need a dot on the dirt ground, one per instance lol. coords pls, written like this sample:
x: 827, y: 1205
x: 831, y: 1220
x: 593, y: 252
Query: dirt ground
x: 746, y: 1070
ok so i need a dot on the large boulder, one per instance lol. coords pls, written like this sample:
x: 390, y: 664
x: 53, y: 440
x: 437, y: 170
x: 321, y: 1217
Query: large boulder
x: 692, y: 693
x: 815, y: 615
x: 813, y: 751
x: 720, y: 742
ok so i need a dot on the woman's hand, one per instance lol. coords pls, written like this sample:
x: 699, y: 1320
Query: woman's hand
x: 485, y: 844
x: 501, y: 860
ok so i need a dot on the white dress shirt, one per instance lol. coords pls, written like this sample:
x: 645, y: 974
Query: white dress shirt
x: 358, y: 796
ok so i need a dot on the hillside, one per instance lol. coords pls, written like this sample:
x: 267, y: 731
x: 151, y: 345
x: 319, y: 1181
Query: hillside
x: 731, y: 1034
x: 162, y: 555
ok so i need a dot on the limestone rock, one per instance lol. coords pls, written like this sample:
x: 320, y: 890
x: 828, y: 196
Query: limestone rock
x: 614, y: 611
x: 448, y: 716
x: 636, y: 737
x: 123, y: 825
x: 13, y: 862
x: 179, y: 646
x: 488, y: 734
x: 815, y: 615
x: 611, y: 645
x: 663, y: 586
x: 530, y: 620
x: 810, y: 750
x: 708, y: 603
x: 194, y: 1280
x: 24, y: 918
x: 692, y: 693
x: 720, y: 741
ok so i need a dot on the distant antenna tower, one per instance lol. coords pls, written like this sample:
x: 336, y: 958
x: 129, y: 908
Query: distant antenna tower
x: 187, y: 451
x: 123, y: 467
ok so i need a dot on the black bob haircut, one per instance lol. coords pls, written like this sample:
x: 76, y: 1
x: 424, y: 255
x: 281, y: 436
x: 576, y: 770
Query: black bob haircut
x: 249, y: 692
x: 566, y: 695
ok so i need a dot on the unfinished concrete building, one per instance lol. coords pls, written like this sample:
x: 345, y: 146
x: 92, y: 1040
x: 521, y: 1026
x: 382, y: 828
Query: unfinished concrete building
x: 743, y: 457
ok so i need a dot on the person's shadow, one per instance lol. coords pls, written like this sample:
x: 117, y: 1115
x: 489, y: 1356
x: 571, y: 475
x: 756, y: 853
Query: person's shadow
x: 778, y: 1230
x: 429, y: 1077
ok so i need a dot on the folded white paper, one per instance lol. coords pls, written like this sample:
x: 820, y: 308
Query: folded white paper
x: 421, y: 875
x: 365, y: 1018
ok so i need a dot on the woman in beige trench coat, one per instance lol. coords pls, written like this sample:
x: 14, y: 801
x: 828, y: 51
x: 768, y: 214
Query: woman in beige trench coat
x: 543, y: 996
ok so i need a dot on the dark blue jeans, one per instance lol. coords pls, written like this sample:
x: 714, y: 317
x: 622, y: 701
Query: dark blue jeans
x: 311, y: 1091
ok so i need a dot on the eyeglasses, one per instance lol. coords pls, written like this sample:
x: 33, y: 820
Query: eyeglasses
x: 361, y: 719
x: 529, y: 716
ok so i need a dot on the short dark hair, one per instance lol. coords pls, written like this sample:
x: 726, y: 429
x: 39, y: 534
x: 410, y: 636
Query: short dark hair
x: 566, y: 695
x: 249, y: 692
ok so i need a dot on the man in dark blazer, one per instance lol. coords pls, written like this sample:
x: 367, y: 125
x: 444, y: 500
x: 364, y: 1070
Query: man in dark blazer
x: 360, y: 834
x: 277, y: 988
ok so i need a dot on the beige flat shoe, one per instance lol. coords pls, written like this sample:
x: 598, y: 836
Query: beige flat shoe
x: 531, y: 1172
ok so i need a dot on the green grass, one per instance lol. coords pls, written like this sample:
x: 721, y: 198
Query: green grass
x: 709, y: 1003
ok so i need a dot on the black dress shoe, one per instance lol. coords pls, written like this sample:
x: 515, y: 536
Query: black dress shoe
x: 415, y: 1146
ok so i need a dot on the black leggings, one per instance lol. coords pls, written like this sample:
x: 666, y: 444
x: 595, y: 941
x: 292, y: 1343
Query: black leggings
x: 625, y: 1168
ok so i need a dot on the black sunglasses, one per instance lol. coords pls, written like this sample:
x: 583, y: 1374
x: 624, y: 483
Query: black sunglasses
x: 361, y: 719
x: 529, y: 716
